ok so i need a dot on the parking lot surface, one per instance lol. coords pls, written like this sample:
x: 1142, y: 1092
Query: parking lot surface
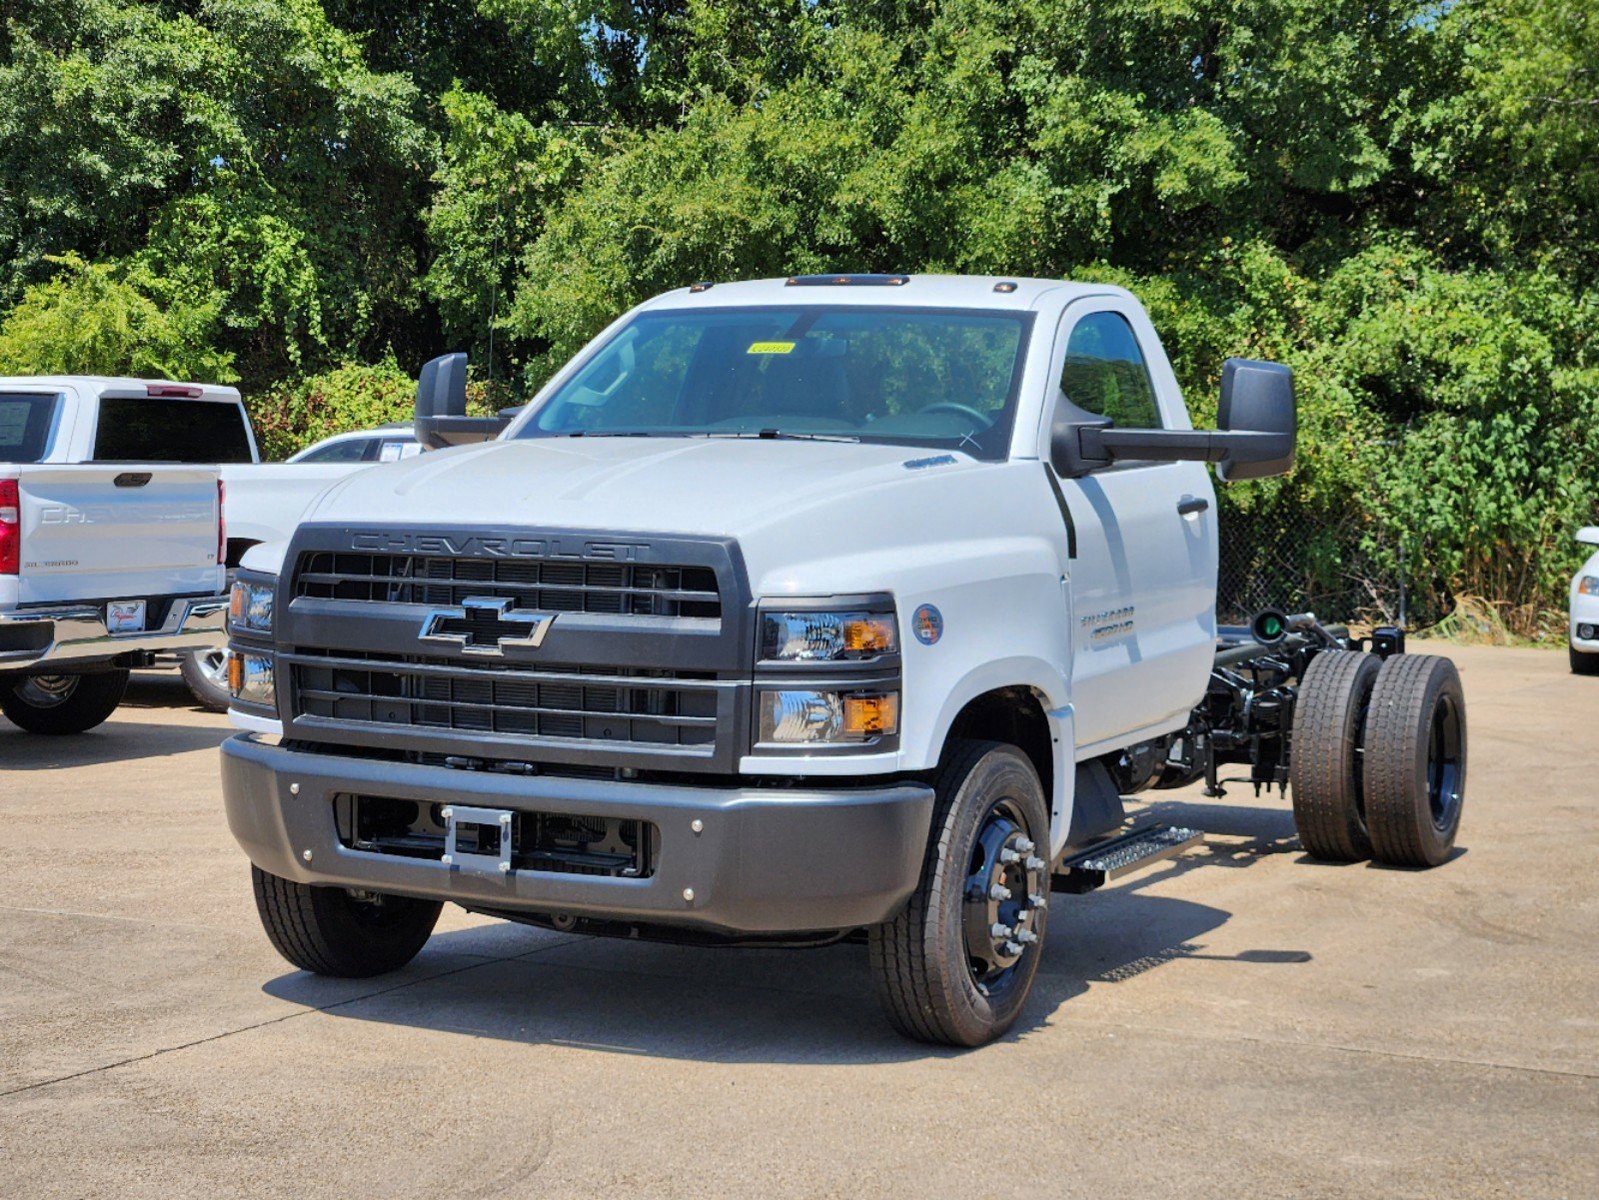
x: 1239, y: 1022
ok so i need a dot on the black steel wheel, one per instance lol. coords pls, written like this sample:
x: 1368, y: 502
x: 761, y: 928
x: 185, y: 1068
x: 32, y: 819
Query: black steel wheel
x: 331, y: 931
x: 62, y: 704
x: 1324, y: 771
x: 956, y: 966
x: 1415, y: 760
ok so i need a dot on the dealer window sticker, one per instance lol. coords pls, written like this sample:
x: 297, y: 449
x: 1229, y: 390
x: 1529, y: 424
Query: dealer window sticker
x: 771, y: 348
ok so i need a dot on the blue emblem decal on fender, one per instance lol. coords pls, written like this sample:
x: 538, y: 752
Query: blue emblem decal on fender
x: 928, y: 624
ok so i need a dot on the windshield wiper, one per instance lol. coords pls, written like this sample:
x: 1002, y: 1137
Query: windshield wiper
x: 779, y: 434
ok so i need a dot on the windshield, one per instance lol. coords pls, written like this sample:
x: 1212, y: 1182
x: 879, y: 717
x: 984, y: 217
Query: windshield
x: 25, y: 424
x: 944, y: 378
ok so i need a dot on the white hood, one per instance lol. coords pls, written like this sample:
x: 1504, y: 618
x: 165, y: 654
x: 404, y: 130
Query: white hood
x: 785, y: 501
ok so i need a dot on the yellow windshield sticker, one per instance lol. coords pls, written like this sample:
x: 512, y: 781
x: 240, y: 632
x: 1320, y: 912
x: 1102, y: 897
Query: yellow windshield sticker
x: 771, y: 347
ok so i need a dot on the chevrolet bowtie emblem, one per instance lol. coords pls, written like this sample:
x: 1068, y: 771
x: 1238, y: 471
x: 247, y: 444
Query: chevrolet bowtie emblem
x: 486, y: 625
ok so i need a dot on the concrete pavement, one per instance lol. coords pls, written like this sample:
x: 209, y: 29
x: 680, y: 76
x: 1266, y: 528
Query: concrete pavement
x: 1240, y: 1022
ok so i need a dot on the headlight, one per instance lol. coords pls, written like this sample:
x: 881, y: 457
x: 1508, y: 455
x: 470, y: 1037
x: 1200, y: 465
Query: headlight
x: 827, y: 636
x: 250, y: 606
x: 250, y: 679
x: 1588, y: 585
x: 803, y: 715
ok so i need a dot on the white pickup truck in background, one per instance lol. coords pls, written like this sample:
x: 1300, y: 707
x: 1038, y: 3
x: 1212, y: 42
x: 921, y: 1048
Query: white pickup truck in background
x: 101, y: 567
x: 97, y: 420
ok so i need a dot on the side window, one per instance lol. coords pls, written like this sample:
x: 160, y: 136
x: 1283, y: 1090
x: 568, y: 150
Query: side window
x: 348, y: 450
x: 1105, y: 372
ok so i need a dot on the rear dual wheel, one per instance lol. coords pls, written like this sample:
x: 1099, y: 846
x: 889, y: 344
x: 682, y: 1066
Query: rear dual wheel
x: 1379, y: 758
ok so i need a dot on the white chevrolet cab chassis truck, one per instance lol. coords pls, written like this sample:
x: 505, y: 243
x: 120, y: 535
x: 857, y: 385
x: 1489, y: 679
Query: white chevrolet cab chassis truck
x: 798, y: 611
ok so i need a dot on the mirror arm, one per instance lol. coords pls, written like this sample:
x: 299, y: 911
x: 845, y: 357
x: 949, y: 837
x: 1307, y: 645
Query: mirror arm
x: 1169, y: 445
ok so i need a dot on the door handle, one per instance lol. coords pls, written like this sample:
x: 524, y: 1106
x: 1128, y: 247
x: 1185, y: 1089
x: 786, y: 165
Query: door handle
x: 1189, y: 505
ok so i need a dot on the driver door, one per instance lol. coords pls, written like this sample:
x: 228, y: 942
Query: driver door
x: 1142, y: 585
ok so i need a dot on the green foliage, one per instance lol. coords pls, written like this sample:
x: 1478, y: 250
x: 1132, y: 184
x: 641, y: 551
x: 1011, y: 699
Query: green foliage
x: 1399, y: 198
x: 94, y: 319
x: 309, y: 408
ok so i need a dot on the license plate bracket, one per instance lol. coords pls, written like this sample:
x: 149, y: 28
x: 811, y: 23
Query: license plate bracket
x: 478, y: 840
x: 124, y: 616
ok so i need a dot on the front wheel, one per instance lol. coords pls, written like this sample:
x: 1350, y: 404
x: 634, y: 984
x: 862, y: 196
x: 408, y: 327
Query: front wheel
x: 956, y: 966
x: 206, y: 674
x: 62, y: 704
x: 329, y: 931
x: 1583, y: 662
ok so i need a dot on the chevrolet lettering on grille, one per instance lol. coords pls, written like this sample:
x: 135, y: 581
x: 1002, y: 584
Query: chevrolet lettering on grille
x: 486, y: 625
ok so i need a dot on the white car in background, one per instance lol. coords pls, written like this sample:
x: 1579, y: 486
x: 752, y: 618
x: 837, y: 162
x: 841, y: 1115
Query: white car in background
x: 1584, y: 623
x: 386, y: 443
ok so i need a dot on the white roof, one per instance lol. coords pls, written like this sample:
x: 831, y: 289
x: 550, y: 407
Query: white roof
x: 102, y: 385
x: 930, y: 291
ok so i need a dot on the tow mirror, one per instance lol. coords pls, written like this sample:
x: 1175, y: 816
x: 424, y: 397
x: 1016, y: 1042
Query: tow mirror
x: 441, y: 418
x: 1588, y: 535
x: 1256, y: 436
x: 1257, y: 402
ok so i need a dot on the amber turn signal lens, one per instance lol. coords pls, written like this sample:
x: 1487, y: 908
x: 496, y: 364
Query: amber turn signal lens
x: 235, y: 673
x: 869, y: 636
x: 866, y: 715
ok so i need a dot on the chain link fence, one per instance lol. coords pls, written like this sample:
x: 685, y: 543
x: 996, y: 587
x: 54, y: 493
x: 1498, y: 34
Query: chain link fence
x: 1337, y: 565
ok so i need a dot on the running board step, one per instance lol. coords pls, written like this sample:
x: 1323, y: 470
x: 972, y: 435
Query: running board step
x: 1098, y: 864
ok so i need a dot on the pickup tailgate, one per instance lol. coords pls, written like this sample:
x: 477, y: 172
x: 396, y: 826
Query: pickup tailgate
x: 94, y: 533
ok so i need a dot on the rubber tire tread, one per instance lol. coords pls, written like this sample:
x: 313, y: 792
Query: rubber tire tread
x: 94, y: 699
x: 314, y: 929
x: 1397, y: 730
x: 1324, y: 767
x: 206, y: 694
x: 915, y: 995
x: 1583, y: 662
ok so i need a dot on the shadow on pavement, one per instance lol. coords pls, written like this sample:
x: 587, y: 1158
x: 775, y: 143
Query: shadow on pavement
x: 119, y: 740
x: 734, y: 1005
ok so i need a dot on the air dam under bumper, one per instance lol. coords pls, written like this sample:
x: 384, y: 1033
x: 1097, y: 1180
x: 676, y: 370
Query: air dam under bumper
x: 765, y: 860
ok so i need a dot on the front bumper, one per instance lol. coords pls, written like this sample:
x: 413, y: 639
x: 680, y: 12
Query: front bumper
x: 77, y: 633
x: 764, y: 860
x: 1584, y: 618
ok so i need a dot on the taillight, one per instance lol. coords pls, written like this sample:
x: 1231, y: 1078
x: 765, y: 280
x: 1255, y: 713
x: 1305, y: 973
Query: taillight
x: 222, y: 525
x: 10, y: 527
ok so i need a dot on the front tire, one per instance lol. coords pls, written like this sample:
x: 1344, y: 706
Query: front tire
x: 1583, y: 663
x: 1415, y: 760
x: 58, y: 705
x: 956, y: 966
x: 206, y: 674
x: 327, y: 931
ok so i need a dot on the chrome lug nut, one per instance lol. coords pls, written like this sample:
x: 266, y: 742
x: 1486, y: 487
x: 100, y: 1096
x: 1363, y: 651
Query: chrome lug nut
x: 1034, y: 863
x: 1026, y: 936
x: 999, y: 892
x: 1039, y: 902
x: 1007, y: 855
x: 1012, y: 948
x: 1025, y: 846
x: 997, y: 931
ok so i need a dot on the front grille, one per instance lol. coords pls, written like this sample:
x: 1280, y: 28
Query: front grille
x: 543, y: 585
x: 603, y: 704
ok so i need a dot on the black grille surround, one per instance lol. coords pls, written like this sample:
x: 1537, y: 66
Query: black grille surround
x: 647, y: 662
